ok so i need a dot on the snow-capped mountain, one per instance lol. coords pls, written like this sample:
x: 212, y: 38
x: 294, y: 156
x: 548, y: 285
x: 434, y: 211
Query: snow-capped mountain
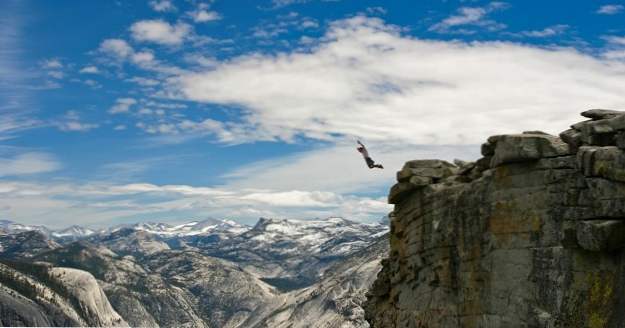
x: 335, y: 236
x: 291, y: 253
x: 74, y: 231
x: 210, y: 273
x: 13, y: 227
x: 193, y: 228
x: 25, y: 244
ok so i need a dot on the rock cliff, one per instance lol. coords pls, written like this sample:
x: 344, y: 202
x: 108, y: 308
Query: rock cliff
x: 529, y: 235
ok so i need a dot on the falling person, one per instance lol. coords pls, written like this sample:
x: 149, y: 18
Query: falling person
x: 370, y: 163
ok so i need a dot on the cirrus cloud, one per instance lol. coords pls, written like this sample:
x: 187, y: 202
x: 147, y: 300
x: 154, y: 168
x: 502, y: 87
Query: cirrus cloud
x: 28, y: 163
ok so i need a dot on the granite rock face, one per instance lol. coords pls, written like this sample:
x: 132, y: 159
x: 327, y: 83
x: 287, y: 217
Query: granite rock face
x: 531, y: 235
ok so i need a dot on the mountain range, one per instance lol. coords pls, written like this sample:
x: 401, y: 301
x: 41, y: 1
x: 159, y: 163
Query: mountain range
x: 210, y: 273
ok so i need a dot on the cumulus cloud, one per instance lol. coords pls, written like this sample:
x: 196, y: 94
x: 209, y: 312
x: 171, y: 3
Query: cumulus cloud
x: 27, y: 163
x: 471, y: 16
x: 90, y: 70
x: 116, y: 47
x: 162, y: 5
x: 53, y: 63
x: 122, y: 105
x: 383, y: 86
x: 160, y: 32
x: 610, y: 9
x: 143, y: 58
x: 53, y: 68
x: 122, y: 52
x: 71, y: 122
x: 202, y: 14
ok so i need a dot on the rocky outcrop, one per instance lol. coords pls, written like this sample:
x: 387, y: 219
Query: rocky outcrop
x: 530, y: 235
x: 335, y: 301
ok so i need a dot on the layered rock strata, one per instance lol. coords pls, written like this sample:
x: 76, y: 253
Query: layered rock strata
x: 530, y: 235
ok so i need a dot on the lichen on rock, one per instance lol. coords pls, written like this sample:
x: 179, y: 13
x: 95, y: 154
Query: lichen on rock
x: 530, y: 235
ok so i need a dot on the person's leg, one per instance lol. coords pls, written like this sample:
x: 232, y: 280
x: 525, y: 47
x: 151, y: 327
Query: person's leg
x: 379, y: 166
x: 370, y: 162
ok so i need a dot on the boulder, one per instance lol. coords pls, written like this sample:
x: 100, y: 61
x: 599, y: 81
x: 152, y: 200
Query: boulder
x: 435, y: 169
x: 573, y: 138
x: 600, y: 114
x: 526, y: 147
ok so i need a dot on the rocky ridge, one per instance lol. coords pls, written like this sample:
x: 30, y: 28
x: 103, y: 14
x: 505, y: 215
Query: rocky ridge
x: 199, y: 274
x: 530, y: 235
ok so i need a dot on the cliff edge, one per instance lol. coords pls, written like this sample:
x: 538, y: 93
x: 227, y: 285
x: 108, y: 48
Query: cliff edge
x: 530, y: 235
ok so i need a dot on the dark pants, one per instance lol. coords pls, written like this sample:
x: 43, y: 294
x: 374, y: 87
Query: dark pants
x: 370, y: 162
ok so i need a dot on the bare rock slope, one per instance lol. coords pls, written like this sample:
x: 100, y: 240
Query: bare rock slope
x: 530, y: 235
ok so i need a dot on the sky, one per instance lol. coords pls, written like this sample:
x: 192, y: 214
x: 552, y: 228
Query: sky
x: 117, y: 112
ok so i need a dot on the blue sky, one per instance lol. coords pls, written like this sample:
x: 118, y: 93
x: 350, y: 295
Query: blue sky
x: 125, y: 111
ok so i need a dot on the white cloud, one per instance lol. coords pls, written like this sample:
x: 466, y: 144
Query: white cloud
x: 610, y: 9
x: 90, y: 70
x: 614, y: 54
x: 200, y: 59
x: 56, y: 74
x: 116, y: 47
x: 188, y: 128
x: 309, y: 23
x: 53, y: 63
x: 71, y: 123
x: 12, y: 122
x: 615, y: 40
x: 100, y: 204
x: 159, y: 31
x: 202, y: 14
x: 472, y: 16
x: 122, y: 105
x: 143, y: 58
x: 546, y: 32
x: 382, y: 86
x: 145, y: 82
x: 162, y: 5
x: 615, y: 48
x: 76, y: 126
x: 376, y: 11
x: 92, y: 83
x: 270, y: 30
x: 283, y: 3
x: 349, y: 174
x: 28, y: 163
